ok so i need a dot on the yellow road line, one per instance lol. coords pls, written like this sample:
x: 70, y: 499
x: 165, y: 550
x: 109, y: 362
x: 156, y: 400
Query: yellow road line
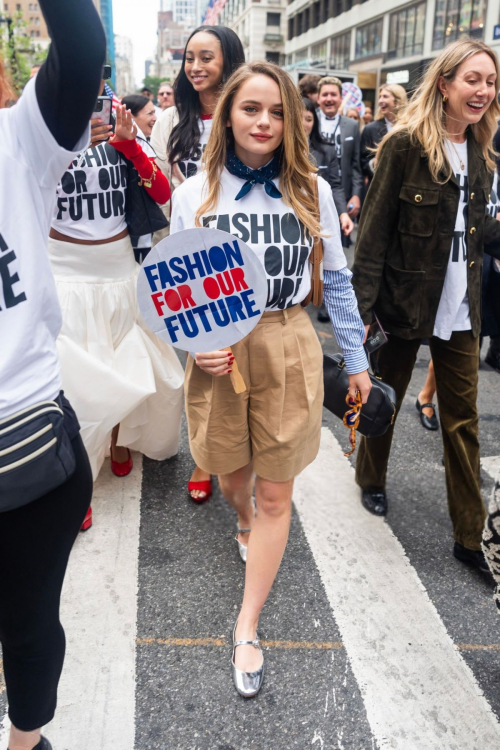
x: 301, y: 645
x: 2, y: 681
x: 306, y: 645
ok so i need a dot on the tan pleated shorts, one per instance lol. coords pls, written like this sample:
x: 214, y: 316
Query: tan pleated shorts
x: 276, y: 422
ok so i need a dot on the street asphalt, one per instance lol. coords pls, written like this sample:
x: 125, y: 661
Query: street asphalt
x: 190, y: 584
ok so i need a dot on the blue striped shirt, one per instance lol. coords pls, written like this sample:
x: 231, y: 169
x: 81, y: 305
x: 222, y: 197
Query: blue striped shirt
x: 348, y: 327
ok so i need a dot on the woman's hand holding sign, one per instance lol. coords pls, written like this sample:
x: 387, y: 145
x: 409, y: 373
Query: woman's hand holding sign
x: 215, y: 363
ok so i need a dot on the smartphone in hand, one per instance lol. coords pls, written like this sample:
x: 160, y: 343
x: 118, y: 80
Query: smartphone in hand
x: 102, y: 109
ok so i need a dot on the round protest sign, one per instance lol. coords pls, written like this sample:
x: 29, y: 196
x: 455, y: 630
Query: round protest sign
x: 352, y: 98
x: 201, y: 290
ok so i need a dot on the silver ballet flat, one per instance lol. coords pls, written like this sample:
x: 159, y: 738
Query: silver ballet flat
x: 242, y: 548
x: 247, y: 684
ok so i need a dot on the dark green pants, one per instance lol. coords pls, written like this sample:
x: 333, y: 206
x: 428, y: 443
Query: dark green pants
x: 456, y: 365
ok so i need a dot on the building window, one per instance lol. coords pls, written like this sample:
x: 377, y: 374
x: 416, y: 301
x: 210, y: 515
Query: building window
x: 18, y: 6
x: 369, y: 39
x: 406, y: 32
x: 318, y: 54
x: 316, y: 14
x: 454, y: 18
x: 273, y: 57
x: 302, y: 56
x: 274, y: 19
x: 341, y: 51
x: 291, y: 24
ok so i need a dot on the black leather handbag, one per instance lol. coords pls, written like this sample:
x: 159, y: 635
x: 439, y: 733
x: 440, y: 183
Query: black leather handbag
x: 142, y: 214
x: 377, y: 414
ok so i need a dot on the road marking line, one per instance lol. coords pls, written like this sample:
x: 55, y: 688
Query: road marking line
x: 96, y: 706
x: 2, y: 681
x: 417, y: 689
x: 478, y: 646
x: 306, y: 645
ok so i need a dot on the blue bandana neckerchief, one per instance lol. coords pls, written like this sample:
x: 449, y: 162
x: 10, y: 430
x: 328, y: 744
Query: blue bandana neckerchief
x: 264, y: 176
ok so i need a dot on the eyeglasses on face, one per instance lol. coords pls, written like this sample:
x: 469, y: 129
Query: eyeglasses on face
x: 165, y: 93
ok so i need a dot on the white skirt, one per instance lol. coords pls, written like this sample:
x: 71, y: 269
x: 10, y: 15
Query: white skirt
x: 114, y: 371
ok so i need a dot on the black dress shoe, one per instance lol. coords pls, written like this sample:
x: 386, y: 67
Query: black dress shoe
x: 430, y: 423
x: 323, y: 316
x: 492, y: 358
x: 472, y: 557
x: 375, y: 501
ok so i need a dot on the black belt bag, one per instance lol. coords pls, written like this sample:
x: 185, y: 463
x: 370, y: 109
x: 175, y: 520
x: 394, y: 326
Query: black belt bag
x: 377, y: 414
x: 36, y: 454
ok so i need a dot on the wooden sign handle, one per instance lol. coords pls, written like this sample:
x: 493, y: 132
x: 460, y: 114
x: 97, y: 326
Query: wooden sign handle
x: 236, y: 377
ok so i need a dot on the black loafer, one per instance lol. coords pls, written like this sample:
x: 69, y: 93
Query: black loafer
x: 430, y: 423
x: 472, y: 557
x: 492, y: 358
x: 375, y: 501
x: 323, y: 316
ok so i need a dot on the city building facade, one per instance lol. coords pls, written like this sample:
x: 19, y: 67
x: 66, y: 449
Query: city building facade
x: 380, y: 41
x: 260, y: 24
x: 172, y: 39
x: 124, y: 74
x: 32, y: 16
x: 106, y: 12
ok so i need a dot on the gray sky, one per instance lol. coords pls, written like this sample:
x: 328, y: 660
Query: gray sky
x: 138, y: 21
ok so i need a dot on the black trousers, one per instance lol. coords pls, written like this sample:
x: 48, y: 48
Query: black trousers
x: 35, y: 543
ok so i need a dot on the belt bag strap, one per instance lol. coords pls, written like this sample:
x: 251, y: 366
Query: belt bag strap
x: 36, y: 455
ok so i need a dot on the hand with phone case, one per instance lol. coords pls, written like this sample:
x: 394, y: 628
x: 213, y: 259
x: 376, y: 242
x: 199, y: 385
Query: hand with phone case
x: 100, y: 124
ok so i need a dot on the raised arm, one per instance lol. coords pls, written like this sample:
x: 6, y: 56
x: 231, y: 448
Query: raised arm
x: 67, y: 84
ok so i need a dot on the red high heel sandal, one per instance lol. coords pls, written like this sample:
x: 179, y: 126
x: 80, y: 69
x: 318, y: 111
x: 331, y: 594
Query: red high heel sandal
x: 87, y: 521
x: 204, y: 486
x: 121, y: 469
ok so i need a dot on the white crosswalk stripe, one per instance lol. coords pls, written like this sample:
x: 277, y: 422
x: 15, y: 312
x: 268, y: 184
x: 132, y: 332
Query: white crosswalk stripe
x: 96, y: 698
x: 417, y: 689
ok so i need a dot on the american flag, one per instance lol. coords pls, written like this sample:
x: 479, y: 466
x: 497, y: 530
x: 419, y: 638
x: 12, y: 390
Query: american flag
x: 109, y: 92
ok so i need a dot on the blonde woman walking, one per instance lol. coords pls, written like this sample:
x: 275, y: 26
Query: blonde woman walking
x: 418, y: 266
x: 391, y: 99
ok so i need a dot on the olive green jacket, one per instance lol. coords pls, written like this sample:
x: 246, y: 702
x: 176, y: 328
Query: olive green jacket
x: 405, y: 237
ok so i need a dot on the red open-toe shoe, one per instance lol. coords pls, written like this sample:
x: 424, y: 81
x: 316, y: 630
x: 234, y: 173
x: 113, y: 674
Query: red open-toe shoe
x: 87, y: 521
x: 122, y: 468
x: 204, y: 486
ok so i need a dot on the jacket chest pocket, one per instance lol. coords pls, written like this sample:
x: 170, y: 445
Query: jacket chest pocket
x: 418, y: 211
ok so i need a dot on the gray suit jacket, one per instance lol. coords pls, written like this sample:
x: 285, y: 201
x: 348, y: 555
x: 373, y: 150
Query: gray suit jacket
x: 352, y: 177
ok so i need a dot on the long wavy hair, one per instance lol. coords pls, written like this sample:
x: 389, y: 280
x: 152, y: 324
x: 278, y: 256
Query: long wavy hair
x: 295, y: 175
x: 185, y: 136
x: 400, y: 95
x: 424, y: 118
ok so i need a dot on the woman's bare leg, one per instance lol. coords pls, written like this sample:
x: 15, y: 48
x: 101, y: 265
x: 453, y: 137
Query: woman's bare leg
x: 426, y: 395
x: 237, y: 490
x: 23, y: 740
x: 266, y: 546
x: 118, y: 452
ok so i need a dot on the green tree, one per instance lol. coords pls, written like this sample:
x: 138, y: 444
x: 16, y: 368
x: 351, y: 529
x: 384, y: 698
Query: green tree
x: 153, y: 83
x: 18, y: 50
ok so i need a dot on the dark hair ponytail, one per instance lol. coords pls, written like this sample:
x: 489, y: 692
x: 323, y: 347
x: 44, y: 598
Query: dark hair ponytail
x: 135, y: 102
x: 315, y: 138
x: 185, y: 136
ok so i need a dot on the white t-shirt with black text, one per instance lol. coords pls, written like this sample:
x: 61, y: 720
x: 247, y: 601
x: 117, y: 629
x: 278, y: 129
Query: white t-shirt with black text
x: 90, y: 203
x: 330, y: 129
x: 31, y: 165
x: 192, y: 165
x: 269, y: 227
x: 453, y: 312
